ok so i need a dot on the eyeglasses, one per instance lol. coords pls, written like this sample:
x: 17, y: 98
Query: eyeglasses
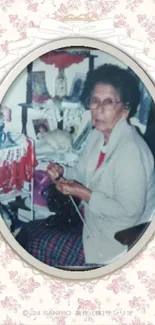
x: 107, y: 104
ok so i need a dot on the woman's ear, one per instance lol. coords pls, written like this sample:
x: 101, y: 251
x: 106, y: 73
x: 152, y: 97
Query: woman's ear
x: 126, y: 113
x: 126, y: 110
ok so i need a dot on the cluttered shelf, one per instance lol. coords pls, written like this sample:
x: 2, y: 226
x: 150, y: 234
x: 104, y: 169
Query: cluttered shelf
x: 37, y: 95
x: 17, y: 164
x: 61, y: 141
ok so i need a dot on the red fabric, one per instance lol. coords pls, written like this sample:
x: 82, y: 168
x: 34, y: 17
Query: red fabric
x: 100, y: 161
x: 62, y: 60
x: 41, y: 98
x: 14, y: 173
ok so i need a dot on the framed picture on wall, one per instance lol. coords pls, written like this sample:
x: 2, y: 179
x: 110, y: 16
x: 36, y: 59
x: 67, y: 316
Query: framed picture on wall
x: 77, y: 87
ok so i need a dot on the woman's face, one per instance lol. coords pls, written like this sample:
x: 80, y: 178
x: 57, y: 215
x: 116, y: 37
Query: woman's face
x: 41, y: 130
x: 106, y: 107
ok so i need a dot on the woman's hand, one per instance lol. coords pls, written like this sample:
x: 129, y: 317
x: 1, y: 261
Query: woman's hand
x: 54, y: 171
x: 70, y: 187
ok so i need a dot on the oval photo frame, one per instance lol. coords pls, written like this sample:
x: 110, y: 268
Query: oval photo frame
x: 25, y: 256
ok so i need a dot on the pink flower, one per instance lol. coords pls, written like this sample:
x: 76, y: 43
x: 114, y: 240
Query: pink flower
x: 141, y: 18
x: 149, y: 27
x: 120, y: 284
x: 63, y: 9
x: 133, y: 4
x: 13, y: 274
x: 5, y: 4
x: 60, y: 320
x: 23, y: 35
x: 12, y: 18
x: 149, y: 282
x: 139, y: 304
x: 152, y: 290
x: 6, y: 257
x: 141, y: 274
x: 29, y: 286
x: 33, y: 6
x: 68, y: 294
x: 60, y: 291
x: 113, y: 286
x: 2, y: 30
x: 9, y: 321
x: 137, y: 321
x: 86, y: 304
x: 152, y: 39
x: 10, y: 303
x: 26, y: 286
x: 119, y: 319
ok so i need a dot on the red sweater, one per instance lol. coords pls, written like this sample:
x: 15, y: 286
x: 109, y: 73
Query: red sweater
x: 100, y: 161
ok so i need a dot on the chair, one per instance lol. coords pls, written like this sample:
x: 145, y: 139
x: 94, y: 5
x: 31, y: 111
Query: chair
x: 131, y: 235
x: 11, y: 211
x: 7, y: 215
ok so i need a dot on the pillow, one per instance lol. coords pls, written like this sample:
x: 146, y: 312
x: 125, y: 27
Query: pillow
x: 58, y: 139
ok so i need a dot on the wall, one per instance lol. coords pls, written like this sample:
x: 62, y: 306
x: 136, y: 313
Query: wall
x: 17, y: 92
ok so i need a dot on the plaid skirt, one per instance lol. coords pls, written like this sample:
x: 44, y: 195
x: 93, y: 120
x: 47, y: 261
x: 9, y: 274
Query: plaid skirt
x: 53, y: 247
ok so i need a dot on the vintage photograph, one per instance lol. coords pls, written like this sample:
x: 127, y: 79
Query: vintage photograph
x: 84, y: 195
x: 41, y: 128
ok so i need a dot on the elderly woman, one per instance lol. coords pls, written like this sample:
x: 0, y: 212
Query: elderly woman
x: 114, y: 177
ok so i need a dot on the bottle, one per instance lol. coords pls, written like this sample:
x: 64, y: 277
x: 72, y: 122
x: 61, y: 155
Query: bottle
x: 61, y: 84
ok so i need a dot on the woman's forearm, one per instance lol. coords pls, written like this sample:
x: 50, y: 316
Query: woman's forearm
x: 72, y: 173
x: 86, y: 194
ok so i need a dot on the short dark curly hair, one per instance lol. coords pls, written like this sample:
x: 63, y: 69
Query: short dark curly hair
x: 43, y: 126
x: 123, y: 80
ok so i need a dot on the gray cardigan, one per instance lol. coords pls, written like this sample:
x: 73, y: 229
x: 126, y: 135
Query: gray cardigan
x: 123, y: 189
